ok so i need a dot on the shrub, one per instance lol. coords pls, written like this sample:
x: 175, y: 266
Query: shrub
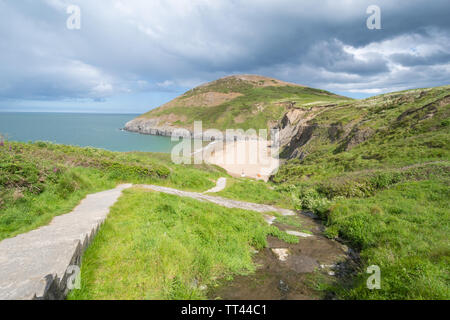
x: 309, y: 199
x: 70, y: 182
x: 120, y: 170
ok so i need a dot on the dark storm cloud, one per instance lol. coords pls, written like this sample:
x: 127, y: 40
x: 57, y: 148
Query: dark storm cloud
x: 132, y: 46
x: 332, y: 57
x: 410, y: 60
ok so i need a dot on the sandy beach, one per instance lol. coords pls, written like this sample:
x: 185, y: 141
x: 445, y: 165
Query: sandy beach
x: 251, y: 158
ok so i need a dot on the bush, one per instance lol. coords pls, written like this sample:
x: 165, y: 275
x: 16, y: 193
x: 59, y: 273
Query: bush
x: 70, y: 182
x: 120, y: 170
x: 309, y: 199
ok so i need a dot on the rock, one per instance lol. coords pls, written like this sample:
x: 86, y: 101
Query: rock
x: 284, y: 288
x: 335, y: 131
x: 327, y: 266
x: 299, y: 234
x: 282, y: 254
x: 303, y: 136
x: 269, y: 219
x: 295, y: 131
x: 158, y: 127
x: 310, y: 214
x: 17, y: 194
x: 358, y: 137
x: 154, y: 127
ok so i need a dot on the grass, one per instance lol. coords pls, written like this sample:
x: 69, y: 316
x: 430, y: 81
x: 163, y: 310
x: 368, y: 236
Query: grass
x: 404, y: 230
x: 157, y: 246
x: 42, y: 180
x: 255, y: 191
x: 292, y: 221
x: 23, y: 211
x: 405, y: 131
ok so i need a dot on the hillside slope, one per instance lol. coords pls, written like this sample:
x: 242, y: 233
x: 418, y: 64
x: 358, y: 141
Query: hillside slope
x: 234, y: 102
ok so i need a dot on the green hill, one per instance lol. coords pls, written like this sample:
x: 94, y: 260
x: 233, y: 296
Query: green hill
x: 234, y: 102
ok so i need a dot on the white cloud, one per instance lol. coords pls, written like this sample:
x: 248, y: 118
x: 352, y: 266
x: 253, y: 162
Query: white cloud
x: 165, y: 84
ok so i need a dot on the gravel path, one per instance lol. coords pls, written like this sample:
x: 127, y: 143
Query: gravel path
x: 221, y: 201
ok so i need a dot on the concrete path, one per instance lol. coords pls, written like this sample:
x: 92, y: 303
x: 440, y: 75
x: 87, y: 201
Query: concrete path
x: 228, y: 203
x: 35, y: 265
x: 221, y: 184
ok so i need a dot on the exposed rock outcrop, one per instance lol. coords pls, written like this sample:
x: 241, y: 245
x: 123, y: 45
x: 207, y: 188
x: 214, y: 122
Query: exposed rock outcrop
x: 159, y: 128
x: 296, y: 131
x: 357, y: 137
x: 335, y: 132
x: 154, y: 127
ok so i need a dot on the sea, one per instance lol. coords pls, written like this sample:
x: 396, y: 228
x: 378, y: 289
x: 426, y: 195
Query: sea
x: 103, y: 131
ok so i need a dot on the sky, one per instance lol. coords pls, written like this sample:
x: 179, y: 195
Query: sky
x: 130, y: 56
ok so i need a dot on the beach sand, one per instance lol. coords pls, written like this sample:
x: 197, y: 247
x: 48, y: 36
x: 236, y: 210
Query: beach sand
x: 252, y: 158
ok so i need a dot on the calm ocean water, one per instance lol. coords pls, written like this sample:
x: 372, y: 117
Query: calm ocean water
x: 94, y: 130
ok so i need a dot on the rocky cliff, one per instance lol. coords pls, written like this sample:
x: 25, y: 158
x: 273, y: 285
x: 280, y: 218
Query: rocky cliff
x: 152, y: 126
